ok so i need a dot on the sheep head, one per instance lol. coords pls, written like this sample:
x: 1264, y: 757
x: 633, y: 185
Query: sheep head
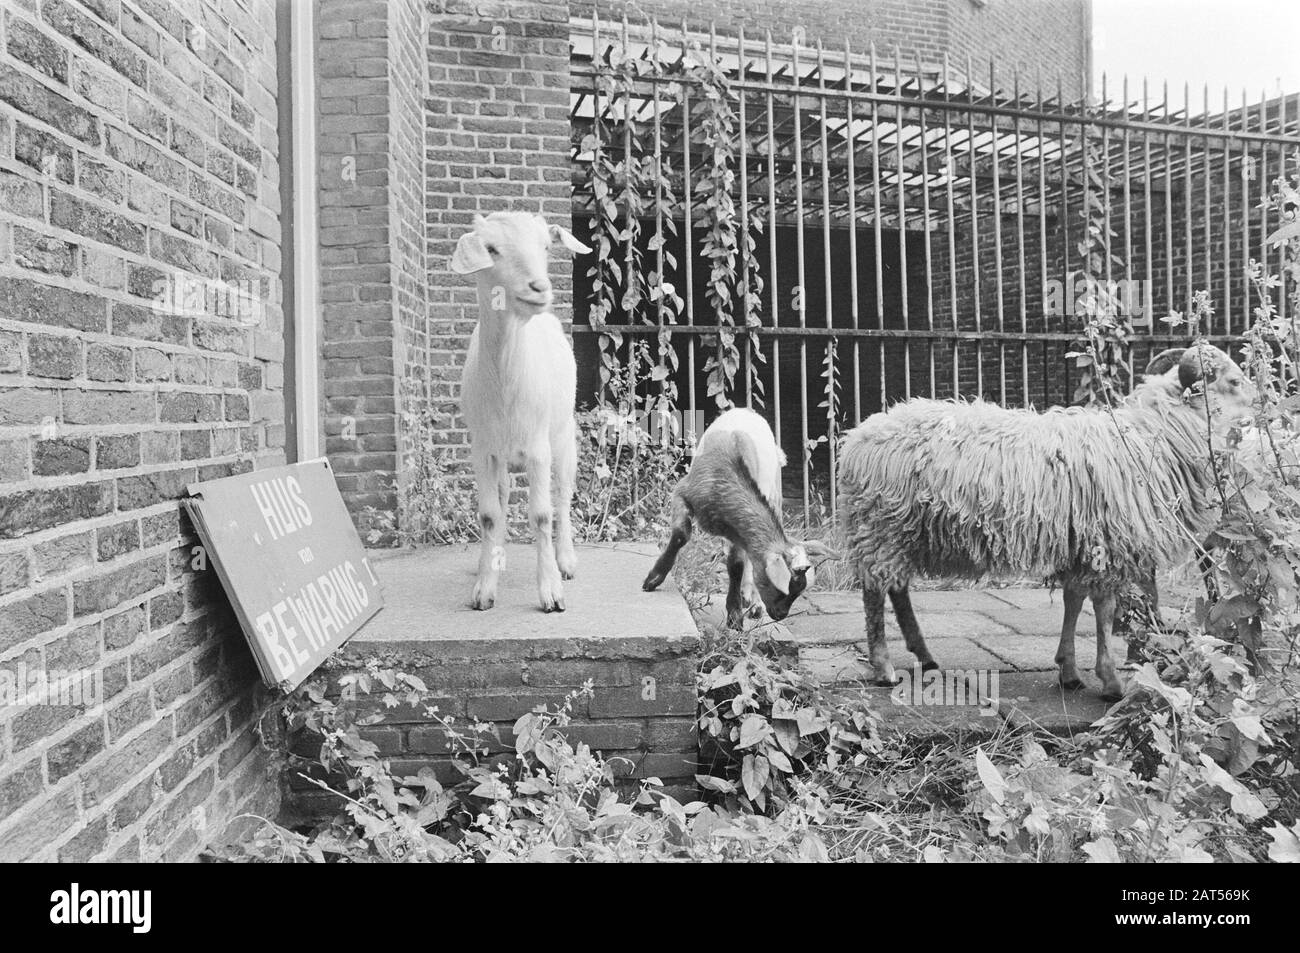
x: 783, y: 573
x: 507, y: 252
x: 1204, y: 370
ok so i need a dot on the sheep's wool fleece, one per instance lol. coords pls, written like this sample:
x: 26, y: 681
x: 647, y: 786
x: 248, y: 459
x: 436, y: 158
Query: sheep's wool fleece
x: 951, y: 488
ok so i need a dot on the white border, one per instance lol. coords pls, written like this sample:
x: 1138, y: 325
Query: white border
x: 306, y: 270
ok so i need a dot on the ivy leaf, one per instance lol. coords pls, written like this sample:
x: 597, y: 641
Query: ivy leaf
x: 1102, y: 851
x: 990, y: 776
x: 753, y: 730
x: 754, y: 775
x: 1285, y: 848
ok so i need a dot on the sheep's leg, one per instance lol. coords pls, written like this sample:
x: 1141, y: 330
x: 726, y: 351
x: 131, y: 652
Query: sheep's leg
x: 678, y: 536
x: 1103, y: 606
x: 490, y: 480
x: 550, y: 590
x: 736, y: 566
x: 566, y: 469
x: 1073, y: 597
x: 873, y: 606
x: 901, y: 597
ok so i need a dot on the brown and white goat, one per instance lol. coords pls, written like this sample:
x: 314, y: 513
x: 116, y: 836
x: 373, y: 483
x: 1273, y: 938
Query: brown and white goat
x: 733, y: 490
x: 517, y: 395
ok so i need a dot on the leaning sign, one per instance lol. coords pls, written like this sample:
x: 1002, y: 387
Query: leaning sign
x: 286, y: 552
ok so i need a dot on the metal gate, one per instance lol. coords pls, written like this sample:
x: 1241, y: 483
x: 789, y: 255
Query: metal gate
x: 896, y: 228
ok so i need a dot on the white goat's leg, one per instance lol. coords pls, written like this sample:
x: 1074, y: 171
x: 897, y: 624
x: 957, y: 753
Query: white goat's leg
x: 490, y: 478
x: 550, y: 590
x: 1103, y: 606
x: 1074, y: 595
x: 566, y: 471
x: 873, y: 606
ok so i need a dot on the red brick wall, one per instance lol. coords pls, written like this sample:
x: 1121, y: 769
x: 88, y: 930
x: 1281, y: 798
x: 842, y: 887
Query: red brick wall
x: 137, y: 143
x: 371, y: 182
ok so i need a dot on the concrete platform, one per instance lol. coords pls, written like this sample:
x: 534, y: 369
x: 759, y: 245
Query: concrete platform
x: 426, y: 599
x: 637, y: 650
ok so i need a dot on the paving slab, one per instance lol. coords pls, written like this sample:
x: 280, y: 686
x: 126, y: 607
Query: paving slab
x: 427, y: 591
x: 1036, y: 699
x: 847, y: 663
x: 1025, y: 653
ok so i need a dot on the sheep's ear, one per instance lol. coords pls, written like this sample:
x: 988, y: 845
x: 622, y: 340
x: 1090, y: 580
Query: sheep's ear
x: 565, y: 238
x: 1166, y: 359
x: 471, y: 255
x: 778, y: 573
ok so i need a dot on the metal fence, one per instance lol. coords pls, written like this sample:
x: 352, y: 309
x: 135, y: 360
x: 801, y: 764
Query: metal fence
x: 916, y: 230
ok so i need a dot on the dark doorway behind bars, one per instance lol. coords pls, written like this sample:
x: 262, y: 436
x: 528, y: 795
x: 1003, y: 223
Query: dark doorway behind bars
x: 931, y: 222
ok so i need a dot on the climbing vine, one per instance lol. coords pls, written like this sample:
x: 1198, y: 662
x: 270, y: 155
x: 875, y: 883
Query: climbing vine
x: 1102, y: 354
x: 633, y: 182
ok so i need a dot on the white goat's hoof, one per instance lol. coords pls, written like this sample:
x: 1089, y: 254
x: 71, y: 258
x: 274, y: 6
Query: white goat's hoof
x: 484, y: 595
x: 551, y: 596
x: 566, y: 559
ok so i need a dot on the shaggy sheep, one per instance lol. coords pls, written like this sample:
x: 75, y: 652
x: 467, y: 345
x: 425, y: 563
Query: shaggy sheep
x: 947, y: 488
x: 517, y: 395
x: 733, y: 490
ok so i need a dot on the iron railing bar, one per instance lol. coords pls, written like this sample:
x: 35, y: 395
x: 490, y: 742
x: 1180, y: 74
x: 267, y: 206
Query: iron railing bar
x: 771, y: 245
x: 814, y: 331
x: 997, y: 256
x: 853, y: 242
x: 902, y: 234
x: 974, y: 234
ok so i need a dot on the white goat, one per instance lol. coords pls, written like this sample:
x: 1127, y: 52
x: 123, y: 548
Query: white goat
x: 947, y: 488
x: 733, y: 490
x: 517, y: 395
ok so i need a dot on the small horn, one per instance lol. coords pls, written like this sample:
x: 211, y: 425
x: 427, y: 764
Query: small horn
x: 1165, y: 360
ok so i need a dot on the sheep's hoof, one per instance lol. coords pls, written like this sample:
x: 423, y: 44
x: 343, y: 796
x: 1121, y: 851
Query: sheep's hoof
x: 1071, y: 684
x: 556, y: 605
x: 887, y: 681
x: 482, y: 603
x: 566, y: 574
x: 652, y: 581
x: 930, y: 666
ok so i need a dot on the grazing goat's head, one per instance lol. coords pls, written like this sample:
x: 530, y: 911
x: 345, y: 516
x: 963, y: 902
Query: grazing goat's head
x: 783, y: 573
x: 507, y: 253
x: 1206, y: 371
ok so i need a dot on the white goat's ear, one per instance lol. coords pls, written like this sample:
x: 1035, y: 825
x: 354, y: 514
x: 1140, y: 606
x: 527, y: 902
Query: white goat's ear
x: 778, y: 573
x: 565, y: 238
x: 471, y: 255
x: 815, y: 547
